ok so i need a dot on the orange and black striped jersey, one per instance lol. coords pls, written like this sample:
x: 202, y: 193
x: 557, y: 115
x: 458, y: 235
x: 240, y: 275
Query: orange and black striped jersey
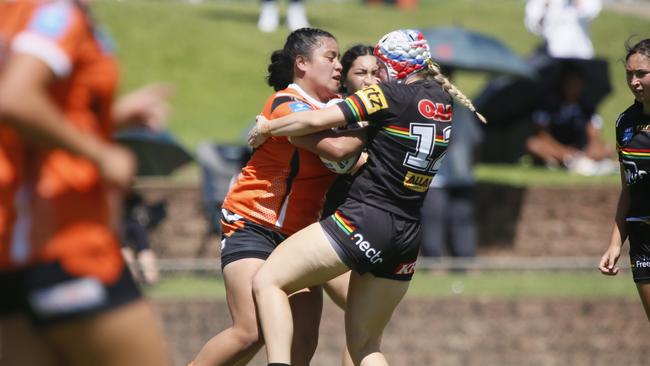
x: 53, y: 205
x: 282, y: 186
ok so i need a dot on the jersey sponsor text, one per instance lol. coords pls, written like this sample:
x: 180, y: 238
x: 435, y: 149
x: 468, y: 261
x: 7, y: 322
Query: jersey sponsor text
x: 373, y: 254
x: 417, y: 182
x: 405, y: 268
x: 435, y: 111
x: 373, y: 99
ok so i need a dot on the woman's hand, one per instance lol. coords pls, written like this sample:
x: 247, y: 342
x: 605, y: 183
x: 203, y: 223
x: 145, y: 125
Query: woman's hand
x: 608, y: 261
x: 147, y: 107
x: 259, y: 133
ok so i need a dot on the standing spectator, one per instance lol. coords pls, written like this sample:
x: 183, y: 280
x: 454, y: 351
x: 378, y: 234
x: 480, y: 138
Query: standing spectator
x: 563, y: 25
x: 633, y: 212
x: 448, y: 209
x: 270, y: 15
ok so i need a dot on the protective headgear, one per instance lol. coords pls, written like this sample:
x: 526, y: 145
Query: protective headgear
x: 403, y: 52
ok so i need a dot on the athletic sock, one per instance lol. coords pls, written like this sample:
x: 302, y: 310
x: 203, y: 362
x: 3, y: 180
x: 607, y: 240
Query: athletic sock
x: 278, y: 364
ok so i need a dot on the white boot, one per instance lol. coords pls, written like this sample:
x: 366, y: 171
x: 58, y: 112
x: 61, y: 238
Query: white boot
x: 269, y: 16
x: 297, y: 16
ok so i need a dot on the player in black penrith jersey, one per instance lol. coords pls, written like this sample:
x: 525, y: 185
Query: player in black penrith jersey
x: 376, y: 231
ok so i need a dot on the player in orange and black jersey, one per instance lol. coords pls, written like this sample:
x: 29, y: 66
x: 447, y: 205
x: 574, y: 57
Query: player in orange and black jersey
x: 280, y: 191
x: 632, y: 219
x: 67, y: 297
x: 376, y: 231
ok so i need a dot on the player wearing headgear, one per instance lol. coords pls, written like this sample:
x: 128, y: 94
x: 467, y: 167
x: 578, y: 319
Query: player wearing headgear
x: 376, y: 231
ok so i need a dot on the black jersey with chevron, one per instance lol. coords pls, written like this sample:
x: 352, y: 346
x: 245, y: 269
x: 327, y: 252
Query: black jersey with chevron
x: 410, y: 126
x: 633, y: 146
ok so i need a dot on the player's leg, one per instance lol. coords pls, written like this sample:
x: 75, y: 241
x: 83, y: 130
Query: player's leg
x: 644, y: 293
x: 305, y: 259
x: 128, y: 335
x: 337, y: 289
x: 241, y: 340
x: 19, y: 343
x: 371, y: 302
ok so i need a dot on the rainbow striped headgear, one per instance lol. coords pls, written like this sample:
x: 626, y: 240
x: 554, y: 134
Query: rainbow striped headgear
x: 403, y: 52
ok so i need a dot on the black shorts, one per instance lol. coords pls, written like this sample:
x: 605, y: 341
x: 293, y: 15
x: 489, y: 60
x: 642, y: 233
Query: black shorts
x: 369, y: 239
x: 48, y: 294
x: 242, y: 238
x: 639, y: 237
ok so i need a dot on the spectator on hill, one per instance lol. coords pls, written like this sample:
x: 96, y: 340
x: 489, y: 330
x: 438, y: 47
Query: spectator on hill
x: 563, y: 25
x: 567, y: 130
x: 269, y: 19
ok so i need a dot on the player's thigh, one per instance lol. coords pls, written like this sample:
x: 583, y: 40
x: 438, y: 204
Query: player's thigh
x: 20, y: 344
x: 371, y: 302
x: 238, y: 279
x: 337, y: 289
x: 305, y: 259
x: 128, y: 335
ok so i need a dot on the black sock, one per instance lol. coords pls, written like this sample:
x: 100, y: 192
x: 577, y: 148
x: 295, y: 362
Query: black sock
x: 278, y: 364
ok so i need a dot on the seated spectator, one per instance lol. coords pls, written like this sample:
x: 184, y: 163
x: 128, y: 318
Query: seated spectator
x: 140, y: 217
x: 567, y: 131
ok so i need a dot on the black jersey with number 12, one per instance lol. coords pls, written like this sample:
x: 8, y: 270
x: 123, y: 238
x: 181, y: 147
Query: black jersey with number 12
x: 409, y: 130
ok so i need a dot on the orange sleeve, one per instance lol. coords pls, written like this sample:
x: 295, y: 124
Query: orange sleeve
x: 54, y: 34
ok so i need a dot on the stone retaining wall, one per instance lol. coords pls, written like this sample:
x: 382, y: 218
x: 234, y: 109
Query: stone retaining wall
x: 513, y: 221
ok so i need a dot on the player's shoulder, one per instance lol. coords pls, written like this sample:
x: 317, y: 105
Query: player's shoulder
x: 630, y: 115
x: 287, y: 101
x: 53, y: 18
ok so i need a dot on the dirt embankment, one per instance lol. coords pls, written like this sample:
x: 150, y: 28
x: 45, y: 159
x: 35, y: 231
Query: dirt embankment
x: 454, y: 332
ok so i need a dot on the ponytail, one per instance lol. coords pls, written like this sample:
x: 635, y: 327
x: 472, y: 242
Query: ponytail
x: 434, y: 71
x: 280, y: 70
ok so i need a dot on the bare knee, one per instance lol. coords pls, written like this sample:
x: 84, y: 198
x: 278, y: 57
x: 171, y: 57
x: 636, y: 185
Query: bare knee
x: 246, y: 335
x: 361, y: 344
x: 263, y: 282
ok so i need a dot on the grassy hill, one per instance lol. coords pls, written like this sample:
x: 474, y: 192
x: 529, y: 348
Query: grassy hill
x: 217, y: 58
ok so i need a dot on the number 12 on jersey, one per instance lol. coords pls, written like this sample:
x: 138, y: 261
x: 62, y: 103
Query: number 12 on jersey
x: 422, y: 159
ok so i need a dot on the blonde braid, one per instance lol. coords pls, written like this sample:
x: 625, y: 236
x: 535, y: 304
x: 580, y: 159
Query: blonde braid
x: 434, y: 70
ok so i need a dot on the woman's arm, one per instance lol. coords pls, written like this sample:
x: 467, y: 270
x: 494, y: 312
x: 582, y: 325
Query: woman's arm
x: 332, y: 145
x: 147, y: 107
x: 295, y: 124
x: 26, y: 106
x: 608, y: 261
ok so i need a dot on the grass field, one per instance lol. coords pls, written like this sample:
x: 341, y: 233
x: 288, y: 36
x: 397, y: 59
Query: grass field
x: 568, y: 284
x: 217, y: 58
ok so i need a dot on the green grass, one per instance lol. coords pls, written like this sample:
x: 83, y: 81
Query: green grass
x: 521, y: 176
x: 217, y: 58
x: 562, y: 284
